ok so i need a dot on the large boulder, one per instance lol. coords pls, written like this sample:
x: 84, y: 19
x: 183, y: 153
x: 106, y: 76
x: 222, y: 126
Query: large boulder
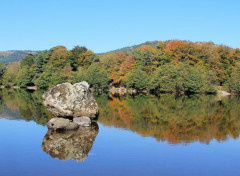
x: 70, y: 144
x: 67, y: 100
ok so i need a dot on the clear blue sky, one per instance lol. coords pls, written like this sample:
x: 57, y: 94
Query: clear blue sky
x: 103, y: 25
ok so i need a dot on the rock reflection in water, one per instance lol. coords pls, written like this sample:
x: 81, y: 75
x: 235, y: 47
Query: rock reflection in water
x: 70, y: 144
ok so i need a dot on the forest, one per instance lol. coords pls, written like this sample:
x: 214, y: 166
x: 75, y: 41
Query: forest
x: 171, y: 66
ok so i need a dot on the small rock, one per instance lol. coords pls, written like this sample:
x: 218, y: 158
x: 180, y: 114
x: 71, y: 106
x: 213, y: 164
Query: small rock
x: 82, y: 121
x: 61, y: 124
x: 72, y: 126
x: 222, y: 93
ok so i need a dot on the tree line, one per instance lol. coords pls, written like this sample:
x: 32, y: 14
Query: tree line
x: 170, y: 66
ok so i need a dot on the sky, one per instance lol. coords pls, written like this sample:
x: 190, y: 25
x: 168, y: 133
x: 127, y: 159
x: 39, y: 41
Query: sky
x: 105, y: 25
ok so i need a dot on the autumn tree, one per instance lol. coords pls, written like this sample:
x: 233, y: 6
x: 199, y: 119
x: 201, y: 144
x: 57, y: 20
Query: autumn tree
x: 9, y: 77
x: 59, y: 56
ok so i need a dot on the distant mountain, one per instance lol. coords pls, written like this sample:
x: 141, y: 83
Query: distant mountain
x: 10, y: 56
x: 130, y: 49
x: 7, y: 57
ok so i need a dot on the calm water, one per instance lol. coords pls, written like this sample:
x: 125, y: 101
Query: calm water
x: 141, y: 135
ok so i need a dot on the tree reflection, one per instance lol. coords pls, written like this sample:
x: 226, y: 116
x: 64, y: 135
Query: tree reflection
x: 169, y: 118
x: 22, y: 104
x: 174, y: 119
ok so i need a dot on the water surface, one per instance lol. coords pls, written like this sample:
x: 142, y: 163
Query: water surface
x: 141, y: 135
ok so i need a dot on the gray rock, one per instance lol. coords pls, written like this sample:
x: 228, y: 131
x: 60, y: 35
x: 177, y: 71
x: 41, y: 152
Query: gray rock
x: 222, y: 93
x: 61, y: 124
x: 82, y: 121
x: 70, y: 144
x: 67, y: 100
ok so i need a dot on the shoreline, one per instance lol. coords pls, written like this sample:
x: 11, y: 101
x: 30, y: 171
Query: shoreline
x: 123, y: 91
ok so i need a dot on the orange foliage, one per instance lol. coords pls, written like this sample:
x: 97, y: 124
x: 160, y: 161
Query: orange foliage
x: 119, y: 109
x: 13, y: 67
x: 145, y: 48
x: 67, y: 70
x: 116, y: 62
x: 59, y: 56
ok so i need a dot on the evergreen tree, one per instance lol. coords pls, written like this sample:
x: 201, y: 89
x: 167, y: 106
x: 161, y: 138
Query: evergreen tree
x: 97, y: 77
x: 137, y: 79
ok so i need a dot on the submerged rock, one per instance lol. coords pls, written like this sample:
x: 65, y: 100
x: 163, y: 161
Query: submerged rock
x: 61, y: 124
x: 82, y: 121
x: 70, y: 144
x: 67, y: 100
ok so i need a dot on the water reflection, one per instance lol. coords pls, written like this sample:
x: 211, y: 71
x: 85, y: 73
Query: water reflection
x: 173, y: 119
x: 70, y: 144
x: 22, y: 104
x: 166, y: 118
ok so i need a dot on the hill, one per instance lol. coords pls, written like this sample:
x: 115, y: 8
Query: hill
x: 130, y: 49
x: 8, y: 57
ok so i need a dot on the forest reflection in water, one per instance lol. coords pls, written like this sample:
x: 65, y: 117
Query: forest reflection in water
x: 174, y: 119
x: 23, y: 104
x: 168, y: 118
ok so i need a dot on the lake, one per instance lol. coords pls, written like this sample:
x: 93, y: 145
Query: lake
x: 195, y: 135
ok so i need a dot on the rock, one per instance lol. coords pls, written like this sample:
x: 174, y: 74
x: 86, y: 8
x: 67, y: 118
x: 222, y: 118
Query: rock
x: 61, y: 124
x: 82, y: 121
x: 70, y: 144
x: 222, y: 93
x: 67, y: 100
x: 32, y: 88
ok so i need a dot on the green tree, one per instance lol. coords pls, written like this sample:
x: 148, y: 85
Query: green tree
x: 2, y: 71
x: 24, y: 77
x: 28, y: 60
x: 165, y: 79
x: 137, y: 79
x: 77, y: 52
x: 77, y: 76
x: 50, y: 77
x: 210, y: 82
x: 25, y: 74
x: 40, y: 60
x: 233, y: 81
x: 193, y: 81
x: 97, y: 77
